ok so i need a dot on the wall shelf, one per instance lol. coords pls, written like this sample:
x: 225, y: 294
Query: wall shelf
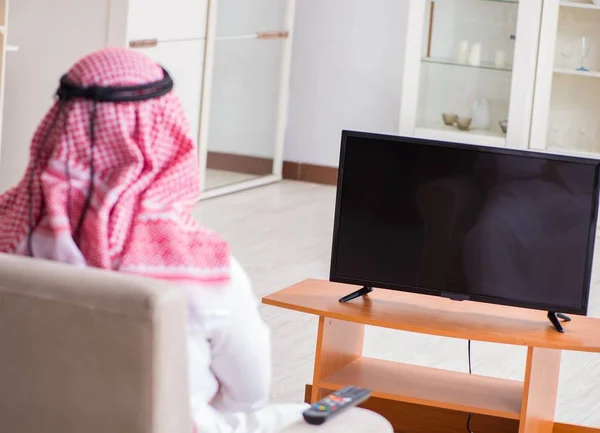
x: 571, y: 4
x: 588, y: 74
x: 454, y: 62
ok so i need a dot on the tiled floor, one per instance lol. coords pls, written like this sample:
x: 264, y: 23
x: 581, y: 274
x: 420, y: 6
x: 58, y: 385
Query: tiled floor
x: 282, y: 234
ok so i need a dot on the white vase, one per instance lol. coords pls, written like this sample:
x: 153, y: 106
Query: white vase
x: 463, y: 52
x: 481, y: 114
x: 475, y: 55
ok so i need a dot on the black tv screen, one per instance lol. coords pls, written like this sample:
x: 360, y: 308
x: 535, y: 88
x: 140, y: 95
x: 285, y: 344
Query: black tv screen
x: 466, y: 222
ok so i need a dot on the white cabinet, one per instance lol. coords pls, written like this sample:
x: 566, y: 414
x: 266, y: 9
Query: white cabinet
x: 246, y: 17
x: 567, y: 109
x: 185, y: 62
x: 174, y: 35
x: 461, y: 60
x: 167, y: 21
x: 470, y: 70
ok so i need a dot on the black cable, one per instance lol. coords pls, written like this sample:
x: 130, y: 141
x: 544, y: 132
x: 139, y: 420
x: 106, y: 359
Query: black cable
x: 469, y: 351
x: 470, y: 372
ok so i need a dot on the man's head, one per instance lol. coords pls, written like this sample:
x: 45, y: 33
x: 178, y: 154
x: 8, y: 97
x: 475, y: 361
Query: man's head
x: 111, y: 158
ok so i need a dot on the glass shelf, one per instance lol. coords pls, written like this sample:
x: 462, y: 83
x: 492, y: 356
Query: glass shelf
x: 577, y: 73
x: 439, y: 131
x: 558, y: 149
x: 454, y: 62
x: 456, y: 31
x: 572, y: 4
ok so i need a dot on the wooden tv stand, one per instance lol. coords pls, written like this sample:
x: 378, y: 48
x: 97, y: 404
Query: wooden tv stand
x: 428, y: 400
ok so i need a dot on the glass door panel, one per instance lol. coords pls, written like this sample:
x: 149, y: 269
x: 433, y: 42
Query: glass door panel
x: 248, y: 67
x: 575, y: 84
x: 466, y: 70
x: 167, y: 21
x: 244, y: 110
x: 246, y: 17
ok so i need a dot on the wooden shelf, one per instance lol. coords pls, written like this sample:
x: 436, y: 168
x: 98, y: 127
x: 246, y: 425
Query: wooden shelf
x: 575, y: 72
x: 439, y: 316
x: 571, y: 4
x: 431, y: 387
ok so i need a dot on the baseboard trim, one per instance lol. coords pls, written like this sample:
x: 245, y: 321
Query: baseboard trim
x: 310, y: 173
x: 239, y: 163
x: 264, y: 166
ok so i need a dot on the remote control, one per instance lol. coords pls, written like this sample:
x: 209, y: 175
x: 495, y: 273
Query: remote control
x: 335, y: 403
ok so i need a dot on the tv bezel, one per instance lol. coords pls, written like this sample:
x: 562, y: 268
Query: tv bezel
x: 333, y: 277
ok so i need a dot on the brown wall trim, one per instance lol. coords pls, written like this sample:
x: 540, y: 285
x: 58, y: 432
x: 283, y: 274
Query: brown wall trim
x: 239, y: 163
x: 310, y: 173
x: 264, y: 166
x: 414, y: 418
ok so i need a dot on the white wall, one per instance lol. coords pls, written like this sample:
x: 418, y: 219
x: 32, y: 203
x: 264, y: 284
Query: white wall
x: 50, y: 41
x: 346, y: 74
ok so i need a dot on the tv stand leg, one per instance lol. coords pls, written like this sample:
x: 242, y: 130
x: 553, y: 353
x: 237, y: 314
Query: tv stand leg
x: 361, y: 292
x: 555, y: 322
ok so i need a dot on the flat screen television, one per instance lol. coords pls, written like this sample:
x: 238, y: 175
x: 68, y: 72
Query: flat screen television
x: 465, y: 222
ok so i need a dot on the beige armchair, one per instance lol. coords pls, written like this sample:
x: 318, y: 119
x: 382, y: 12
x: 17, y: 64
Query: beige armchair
x: 90, y: 351
x: 83, y: 350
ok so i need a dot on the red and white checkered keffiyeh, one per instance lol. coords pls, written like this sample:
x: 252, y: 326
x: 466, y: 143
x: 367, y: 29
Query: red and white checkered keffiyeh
x: 145, y: 185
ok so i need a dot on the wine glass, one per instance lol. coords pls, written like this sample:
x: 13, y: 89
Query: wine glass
x: 567, y: 49
x: 585, y: 47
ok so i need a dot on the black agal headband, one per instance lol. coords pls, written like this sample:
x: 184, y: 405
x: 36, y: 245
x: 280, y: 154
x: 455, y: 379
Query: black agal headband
x: 142, y: 92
